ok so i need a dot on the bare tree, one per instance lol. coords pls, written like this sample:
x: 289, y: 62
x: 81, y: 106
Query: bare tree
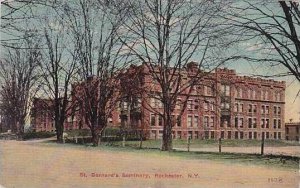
x: 59, y: 66
x: 18, y: 19
x: 165, y: 36
x: 94, y: 25
x: 18, y: 75
x: 271, y: 27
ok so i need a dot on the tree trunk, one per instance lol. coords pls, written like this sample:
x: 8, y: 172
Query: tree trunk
x: 59, y: 132
x: 59, y: 135
x: 167, y: 136
x: 95, y: 139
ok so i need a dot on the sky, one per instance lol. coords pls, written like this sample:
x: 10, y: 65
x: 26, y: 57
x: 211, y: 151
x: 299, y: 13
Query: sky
x: 292, y: 102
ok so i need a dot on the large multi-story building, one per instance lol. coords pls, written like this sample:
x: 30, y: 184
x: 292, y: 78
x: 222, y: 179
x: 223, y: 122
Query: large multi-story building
x: 221, y: 104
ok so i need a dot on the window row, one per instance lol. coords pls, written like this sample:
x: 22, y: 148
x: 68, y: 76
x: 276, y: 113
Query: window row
x: 215, y: 134
x: 255, y: 94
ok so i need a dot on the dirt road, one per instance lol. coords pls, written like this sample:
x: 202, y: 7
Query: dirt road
x: 36, y: 165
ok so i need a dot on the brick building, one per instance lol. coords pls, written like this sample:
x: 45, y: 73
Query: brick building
x: 41, y: 115
x: 222, y: 104
x: 292, y: 131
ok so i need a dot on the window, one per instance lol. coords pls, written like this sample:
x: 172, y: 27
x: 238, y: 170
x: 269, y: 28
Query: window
x: 241, y: 135
x: 152, y: 120
x: 156, y: 103
x: 275, y: 110
x: 173, y: 119
x: 253, y: 94
x: 267, y: 135
x: 241, y: 109
x: 160, y: 121
x: 212, y: 121
x: 255, y: 135
x: 189, y: 104
x: 212, y: 134
x: 208, y: 90
x: 236, y: 107
x: 206, y: 134
x: 229, y: 134
x: 212, y: 106
x: 236, y: 122
x: 189, y: 121
x: 196, y: 121
x: 262, y: 123
x: 250, y: 108
x: 263, y: 109
x: 279, y: 124
x: 248, y: 93
x: 238, y: 92
x: 267, y: 123
x: 205, y: 90
x: 274, y: 123
x: 249, y: 122
x: 196, y: 104
x: 279, y: 135
x: 275, y: 135
x: 205, y: 105
x: 225, y: 105
x: 254, y: 108
x: 236, y: 135
x: 267, y: 109
x: 254, y: 122
x: 225, y: 89
x: 241, y: 122
x: 266, y: 95
x: 250, y: 135
x: 279, y: 110
x: 205, y: 123
x: 222, y: 134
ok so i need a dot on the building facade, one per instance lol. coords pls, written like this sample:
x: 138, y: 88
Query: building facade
x: 292, y: 131
x: 221, y: 105
x: 42, y: 115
